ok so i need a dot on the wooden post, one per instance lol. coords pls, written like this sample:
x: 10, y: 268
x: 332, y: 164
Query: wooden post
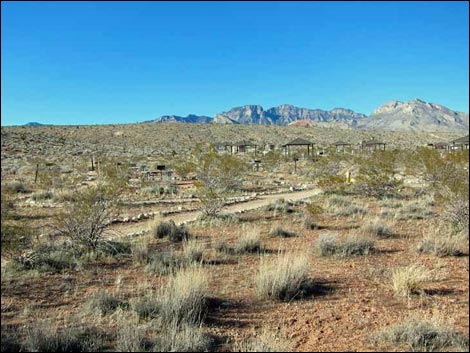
x: 92, y: 164
x: 36, y: 174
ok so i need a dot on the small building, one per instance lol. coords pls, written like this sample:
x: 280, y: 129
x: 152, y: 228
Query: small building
x: 441, y: 146
x: 373, y: 145
x: 460, y: 143
x: 298, y: 142
x: 341, y: 146
x: 245, y: 146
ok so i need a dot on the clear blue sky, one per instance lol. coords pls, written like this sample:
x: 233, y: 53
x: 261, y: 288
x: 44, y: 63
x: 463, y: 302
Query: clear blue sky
x: 120, y: 62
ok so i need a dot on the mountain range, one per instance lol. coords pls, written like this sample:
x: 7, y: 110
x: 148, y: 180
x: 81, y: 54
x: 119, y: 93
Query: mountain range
x: 414, y: 115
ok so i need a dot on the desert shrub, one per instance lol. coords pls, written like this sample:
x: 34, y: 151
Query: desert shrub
x: 333, y: 184
x: 193, y: 250
x: 456, y: 213
x: 264, y: 341
x: 425, y: 336
x: 377, y: 228
x: 441, y: 241
x: 85, y: 221
x: 163, y: 263
x: 409, y: 280
x: 44, y: 338
x: 217, y: 177
x: 222, y: 246
x: 377, y: 175
x: 248, y: 241
x: 280, y: 206
x: 280, y: 232
x: 330, y: 245
x: 104, y: 303
x: 183, y: 299
x: 283, y: 279
x: 313, y: 212
x: 171, y: 230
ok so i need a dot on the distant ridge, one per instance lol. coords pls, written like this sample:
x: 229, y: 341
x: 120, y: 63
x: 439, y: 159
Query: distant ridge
x: 34, y: 123
x: 414, y: 115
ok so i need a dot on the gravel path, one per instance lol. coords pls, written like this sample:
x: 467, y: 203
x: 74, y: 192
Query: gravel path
x: 184, y: 217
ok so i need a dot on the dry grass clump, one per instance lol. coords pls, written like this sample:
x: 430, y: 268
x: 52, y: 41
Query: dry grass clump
x: 285, y: 278
x: 183, y: 299
x: 409, y: 280
x: 334, y: 202
x: 146, y: 307
x: 248, y: 241
x: 182, y: 338
x: 193, y: 250
x: 171, y: 230
x: 416, y: 210
x: 132, y: 338
x: 441, y: 241
x: 330, y: 245
x: 140, y: 252
x: 16, y: 186
x: 264, y: 341
x: 105, y: 303
x: 281, y: 232
x: 218, y: 219
x: 42, y: 337
x: 377, y: 228
x: 42, y: 195
x: 425, y: 335
x: 280, y: 206
x: 163, y: 263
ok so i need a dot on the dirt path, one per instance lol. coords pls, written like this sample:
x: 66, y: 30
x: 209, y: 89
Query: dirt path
x: 184, y: 217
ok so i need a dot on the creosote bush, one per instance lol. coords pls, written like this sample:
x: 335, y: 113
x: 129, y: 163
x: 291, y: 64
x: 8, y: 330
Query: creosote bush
x: 377, y: 228
x: 284, y: 278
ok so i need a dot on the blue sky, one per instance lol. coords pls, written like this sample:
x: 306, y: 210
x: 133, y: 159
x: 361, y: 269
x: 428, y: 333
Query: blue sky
x: 122, y: 62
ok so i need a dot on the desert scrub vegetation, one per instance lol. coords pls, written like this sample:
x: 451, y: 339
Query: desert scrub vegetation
x: 278, y: 231
x: 443, y: 241
x: 409, y: 280
x: 182, y: 338
x: 415, y: 210
x: 193, y: 250
x: 249, y: 241
x: 264, y: 341
x: 219, y: 219
x: 312, y: 214
x: 42, y: 337
x: 284, y: 278
x: 352, y: 245
x: 217, y: 175
x: 184, y: 298
x: 85, y: 221
x: 377, y: 228
x: 170, y: 230
x: 281, y: 206
x: 424, y: 335
x: 163, y: 263
x: 104, y: 303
